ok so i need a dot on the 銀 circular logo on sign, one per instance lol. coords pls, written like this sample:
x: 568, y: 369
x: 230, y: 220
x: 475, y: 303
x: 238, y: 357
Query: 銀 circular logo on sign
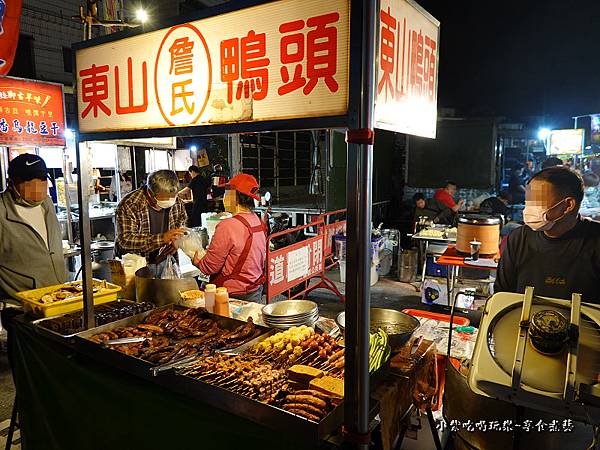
x: 182, y: 75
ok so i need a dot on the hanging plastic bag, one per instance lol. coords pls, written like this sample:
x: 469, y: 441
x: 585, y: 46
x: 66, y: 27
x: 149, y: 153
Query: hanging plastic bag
x: 171, y: 269
x: 190, y: 243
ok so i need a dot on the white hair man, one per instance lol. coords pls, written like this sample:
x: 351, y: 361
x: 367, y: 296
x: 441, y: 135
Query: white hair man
x: 152, y: 217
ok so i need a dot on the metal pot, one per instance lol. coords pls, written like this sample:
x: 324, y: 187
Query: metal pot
x: 382, y: 318
x: 160, y: 292
x: 462, y: 404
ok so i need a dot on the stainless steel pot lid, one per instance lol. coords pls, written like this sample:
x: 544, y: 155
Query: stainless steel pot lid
x: 472, y: 219
x: 102, y: 244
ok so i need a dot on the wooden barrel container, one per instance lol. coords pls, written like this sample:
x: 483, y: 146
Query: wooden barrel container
x: 482, y: 228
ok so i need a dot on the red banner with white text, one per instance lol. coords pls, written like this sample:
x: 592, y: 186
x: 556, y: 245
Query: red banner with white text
x: 10, y: 17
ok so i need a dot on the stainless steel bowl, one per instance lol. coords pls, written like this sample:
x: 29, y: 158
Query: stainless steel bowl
x: 289, y: 308
x: 388, y: 318
x: 290, y: 313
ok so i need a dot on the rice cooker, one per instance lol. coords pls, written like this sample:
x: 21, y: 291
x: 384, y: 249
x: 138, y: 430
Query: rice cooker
x: 482, y: 228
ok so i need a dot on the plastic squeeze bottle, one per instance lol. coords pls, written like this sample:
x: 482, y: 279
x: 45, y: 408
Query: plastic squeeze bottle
x: 222, y: 302
x: 210, y: 292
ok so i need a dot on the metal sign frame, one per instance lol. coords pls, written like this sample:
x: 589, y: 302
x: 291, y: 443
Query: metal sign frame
x: 339, y: 121
x: 364, y: 34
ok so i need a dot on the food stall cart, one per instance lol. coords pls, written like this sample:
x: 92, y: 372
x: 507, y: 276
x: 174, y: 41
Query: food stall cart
x: 325, y: 77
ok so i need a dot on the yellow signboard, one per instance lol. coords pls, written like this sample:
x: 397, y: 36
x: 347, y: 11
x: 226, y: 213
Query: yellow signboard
x: 280, y: 60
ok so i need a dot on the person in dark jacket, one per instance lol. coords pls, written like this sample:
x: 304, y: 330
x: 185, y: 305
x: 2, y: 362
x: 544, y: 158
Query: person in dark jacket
x: 199, y: 188
x: 516, y: 185
x: 433, y: 209
x: 497, y: 205
x: 557, y: 252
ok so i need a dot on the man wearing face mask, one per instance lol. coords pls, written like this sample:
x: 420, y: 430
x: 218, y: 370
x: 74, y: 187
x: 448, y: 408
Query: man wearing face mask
x: 558, y: 252
x: 31, y: 254
x: 151, y: 218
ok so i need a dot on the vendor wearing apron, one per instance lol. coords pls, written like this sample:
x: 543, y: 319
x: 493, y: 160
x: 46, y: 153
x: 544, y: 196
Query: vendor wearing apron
x: 235, y: 258
x: 151, y: 218
x: 558, y: 252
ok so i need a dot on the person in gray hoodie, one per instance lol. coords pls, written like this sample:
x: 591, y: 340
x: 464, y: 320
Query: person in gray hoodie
x: 31, y: 253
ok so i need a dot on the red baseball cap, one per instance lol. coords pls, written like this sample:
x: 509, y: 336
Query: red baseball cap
x: 246, y: 184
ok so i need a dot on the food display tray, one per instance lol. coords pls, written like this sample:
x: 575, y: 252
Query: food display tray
x: 140, y: 366
x: 36, y: 308
x: 254, y: 410
x: 44, y: 325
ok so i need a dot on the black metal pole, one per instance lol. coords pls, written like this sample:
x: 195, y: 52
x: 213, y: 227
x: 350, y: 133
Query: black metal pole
x: 84, y: 165
x: 359, y: 204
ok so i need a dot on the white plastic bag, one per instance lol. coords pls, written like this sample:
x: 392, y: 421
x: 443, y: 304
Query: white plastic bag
x: 170, y: 269
x: 190, y: 243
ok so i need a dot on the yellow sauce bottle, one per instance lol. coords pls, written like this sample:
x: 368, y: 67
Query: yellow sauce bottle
x: 222, y: 302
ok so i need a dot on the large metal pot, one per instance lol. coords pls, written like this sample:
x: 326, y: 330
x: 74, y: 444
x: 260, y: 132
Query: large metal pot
x: 388, y: 319
x: 462, y: 405
x: 160, y: 292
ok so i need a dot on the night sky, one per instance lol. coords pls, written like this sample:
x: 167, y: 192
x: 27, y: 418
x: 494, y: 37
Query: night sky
x: 519, y: 58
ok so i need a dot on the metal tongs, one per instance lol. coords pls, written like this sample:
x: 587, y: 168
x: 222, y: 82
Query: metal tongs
x: 180, y: 363
x: 127, y: 340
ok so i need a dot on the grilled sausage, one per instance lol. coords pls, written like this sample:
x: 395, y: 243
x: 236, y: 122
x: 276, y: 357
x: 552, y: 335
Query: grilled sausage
x: 304, y: 414
x: 313, y: 394
x: 302, y: 407
x: 307, y: 399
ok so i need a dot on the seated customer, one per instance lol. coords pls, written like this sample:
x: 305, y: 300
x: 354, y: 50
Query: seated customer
x: 433, y: 209
x: 446, y: 195
x: 497, y: 205
x: 558, y: 252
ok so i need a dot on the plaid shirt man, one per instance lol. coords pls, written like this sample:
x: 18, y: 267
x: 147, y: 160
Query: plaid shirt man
x: 133, y: 223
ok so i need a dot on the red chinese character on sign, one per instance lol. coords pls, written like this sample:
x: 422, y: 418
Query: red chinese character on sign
x: 178, y: 91
x: 230, y: 64
x: 181, y: 56
x: 289, y: 56
x: 321, y: 54
x: 276, y: 270
x: 94, y: 89
x: 430, y: 66
x: 387, y: 48
x: 131, y: 108
x: 416, y: 62
x: 245, y: 58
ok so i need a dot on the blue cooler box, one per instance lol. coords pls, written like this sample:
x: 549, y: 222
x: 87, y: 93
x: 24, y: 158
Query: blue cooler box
x: 433, y: 269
